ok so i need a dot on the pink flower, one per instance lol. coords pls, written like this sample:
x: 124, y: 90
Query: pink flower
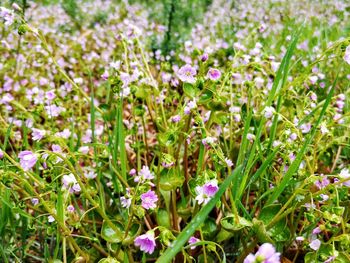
x: 146, y: 242
x: 206, y: 191
x: 70, y: 208
x: 187, y: 74
x: 193, y: 240
x: 265, y: 254
x: 149, y: 200
x: 144, y: 174
x: 38, y: 134
x: 213, y: 74
x: 70, y: 183
x: 27, y: 160
x: 7, y: 15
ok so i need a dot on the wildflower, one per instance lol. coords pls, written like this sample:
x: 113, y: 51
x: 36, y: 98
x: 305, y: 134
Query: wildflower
x: 176, y: 118
x: 228, y: 162
x: 144, y: 174
x: 266, y: 254
x: 204, y: 57
x: 250, y: 137
x: 316, y: 230
x: 70, y: 208
x: 149, y: 200
x: 347, y: 55
x: 1, y: 154
x: 330, y: 259
x: 27, y: 159
x: 322, y: 182
x: 213, y: 74
x: 146, y: 242
x: 105, y: 75
x: 132, y: 172
x: 315, y: 244
x: 126, y: 202
x: 323, y: 128
x: 7, y: 15
x: 268, y: 112
x: 35, y: 201
x: 206, y: 192
x: 69, y: 182
x: 190, y: 105
x: 313, y: 79
x: 305, y: 128
x: 208, y: 141
x: 90, y: 174
x: 38, y: 134
x: 300, y: 238
x: 193, y: 240
x: 84, y: 149
x: 187, y: 74
x: 345, y: 173
x: 51, y: 219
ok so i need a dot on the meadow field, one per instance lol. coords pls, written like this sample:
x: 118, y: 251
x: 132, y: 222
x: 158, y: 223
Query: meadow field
x: 175, y: 131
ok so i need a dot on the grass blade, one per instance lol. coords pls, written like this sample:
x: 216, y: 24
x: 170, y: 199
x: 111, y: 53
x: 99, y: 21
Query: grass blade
x: 295, y: 165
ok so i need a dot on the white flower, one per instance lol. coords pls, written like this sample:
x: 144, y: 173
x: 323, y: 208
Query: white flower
x: 51, y: 219
x: 344, y: 173
x: 38, y: 134
x: 269, y: 111
x: 324, y: 129
x: 347, y: 55
x: 315, y: 244
x: 7, y: 15
x: 206, y: 191
x: 126, y: 202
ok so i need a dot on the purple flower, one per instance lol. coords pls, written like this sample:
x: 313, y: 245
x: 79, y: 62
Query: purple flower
x: 305, y: 128
x: 265, y: 254
x: 176, y: 118
x: 35, y: 201
x: 206, y: 191
x: 105, y: 75
x: 213, y: 74
x: 208, y: 141
x: 70, y: 183
x: 38, y: 134
x: 344, y: 174
x: 125, y: 201
x: 7, y: 15
x: 187, y: 74
x: 193, y: 240
x: 315, y: 244
x: 27, y: 160
x: 149, y: 200
x: 146, y: 242
x: 204, y: 57
x: 1, y: 154
x: 144, y: 174
x: 70, y: 208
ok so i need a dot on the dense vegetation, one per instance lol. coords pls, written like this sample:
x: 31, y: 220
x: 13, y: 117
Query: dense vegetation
x: 174, y: 131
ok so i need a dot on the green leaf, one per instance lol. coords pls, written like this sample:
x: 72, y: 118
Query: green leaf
x: 230, y: 223
x: 186, y: 233
x: 190, y: 90
x: 111, y: 236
